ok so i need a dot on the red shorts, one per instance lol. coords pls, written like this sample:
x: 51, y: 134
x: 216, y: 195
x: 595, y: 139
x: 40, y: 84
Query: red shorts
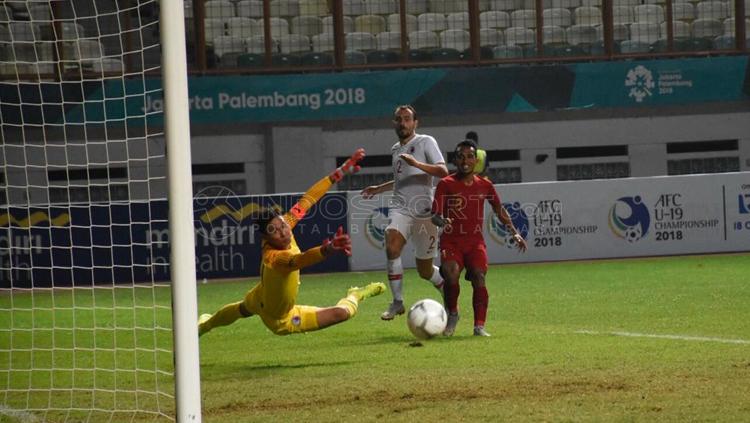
x: 471, y: 254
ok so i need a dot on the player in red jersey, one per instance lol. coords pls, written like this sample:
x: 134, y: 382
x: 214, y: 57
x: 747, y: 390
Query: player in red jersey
x: 458, y: 207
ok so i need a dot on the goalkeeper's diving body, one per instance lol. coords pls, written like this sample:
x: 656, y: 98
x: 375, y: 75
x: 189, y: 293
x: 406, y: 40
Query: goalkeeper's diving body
x: 274, y: 298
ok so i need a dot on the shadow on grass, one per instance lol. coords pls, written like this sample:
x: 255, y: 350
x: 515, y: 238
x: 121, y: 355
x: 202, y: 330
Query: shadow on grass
x: 224, y: 371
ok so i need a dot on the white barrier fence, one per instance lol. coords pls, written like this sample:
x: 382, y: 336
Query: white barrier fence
x: 592, y: 219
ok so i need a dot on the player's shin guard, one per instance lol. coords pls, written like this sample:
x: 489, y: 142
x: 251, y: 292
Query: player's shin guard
x: 480, y: 300
x: 395, y: 278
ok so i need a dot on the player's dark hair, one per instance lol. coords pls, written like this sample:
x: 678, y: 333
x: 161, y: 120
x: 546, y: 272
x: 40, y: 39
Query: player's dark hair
x: 466, y: 143
x: 471, y: 135
x: 263, y: 217
x: 408, y: 107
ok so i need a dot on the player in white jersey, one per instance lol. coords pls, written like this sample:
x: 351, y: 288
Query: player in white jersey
x: 416, y: 161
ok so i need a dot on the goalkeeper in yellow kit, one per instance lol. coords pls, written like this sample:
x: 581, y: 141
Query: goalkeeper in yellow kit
x: 274, y: 298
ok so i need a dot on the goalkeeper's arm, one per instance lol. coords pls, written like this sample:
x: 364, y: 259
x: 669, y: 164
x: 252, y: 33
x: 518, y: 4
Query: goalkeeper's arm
x: 318, y: 190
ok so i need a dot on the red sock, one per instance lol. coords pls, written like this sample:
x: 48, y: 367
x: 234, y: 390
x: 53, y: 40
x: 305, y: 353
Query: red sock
x: 480, y: 300
x: 451, y: 296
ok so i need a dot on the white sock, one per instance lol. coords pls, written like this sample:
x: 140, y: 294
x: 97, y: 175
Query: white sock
x: 395, y: 278
x: 436, y: 279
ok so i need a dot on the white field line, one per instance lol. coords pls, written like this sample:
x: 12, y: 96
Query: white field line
x: 673, y: 337
x: 17, y: 414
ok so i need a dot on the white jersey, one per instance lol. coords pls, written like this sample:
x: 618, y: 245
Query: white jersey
x: 413, y: 189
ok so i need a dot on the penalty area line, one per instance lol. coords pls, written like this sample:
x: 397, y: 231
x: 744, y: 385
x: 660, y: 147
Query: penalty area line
x: 672, y: 337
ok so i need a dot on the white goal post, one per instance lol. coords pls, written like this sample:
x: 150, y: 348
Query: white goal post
x: 96, y: 322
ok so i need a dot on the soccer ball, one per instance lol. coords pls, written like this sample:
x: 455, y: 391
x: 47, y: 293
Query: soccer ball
x: 426, y: 319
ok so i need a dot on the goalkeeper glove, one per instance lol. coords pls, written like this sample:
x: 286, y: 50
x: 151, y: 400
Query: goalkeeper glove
x: 349, y: 167
x: 341, y: 242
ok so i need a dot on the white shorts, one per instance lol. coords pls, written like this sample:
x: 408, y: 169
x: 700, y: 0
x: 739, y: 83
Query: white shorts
x: 420, y: 230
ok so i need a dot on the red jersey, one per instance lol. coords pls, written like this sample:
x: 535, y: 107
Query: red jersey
x: 464, y: 204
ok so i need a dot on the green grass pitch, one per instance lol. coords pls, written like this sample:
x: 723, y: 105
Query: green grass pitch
x: 664, y: 339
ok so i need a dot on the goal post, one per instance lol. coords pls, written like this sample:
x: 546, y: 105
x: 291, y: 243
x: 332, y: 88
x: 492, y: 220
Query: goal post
x: 182, y: 236
x: 98, y: 318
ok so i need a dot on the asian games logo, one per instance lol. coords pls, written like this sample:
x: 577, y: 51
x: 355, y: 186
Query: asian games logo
x: 375, y: 226
x: 629, y: 218
x: 500, y: 233
x: 641, y: 83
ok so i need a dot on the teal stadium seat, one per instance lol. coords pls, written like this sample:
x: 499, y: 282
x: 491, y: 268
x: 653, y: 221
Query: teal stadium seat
x: 355, y: 58
x: 285, y: 59
x: 383, y: 56
x: 317, y: 59
x: 724, y: 42
x: 420, y: 55
x: 250, y: 60
x: 507, y: 52
x: 445, y: 55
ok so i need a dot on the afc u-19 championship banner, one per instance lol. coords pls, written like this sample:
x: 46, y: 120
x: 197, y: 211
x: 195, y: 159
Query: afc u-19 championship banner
x: 87, y: 244
x: 593, y: 219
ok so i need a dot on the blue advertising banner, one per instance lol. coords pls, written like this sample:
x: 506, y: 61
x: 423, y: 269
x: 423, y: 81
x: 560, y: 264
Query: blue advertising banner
x: 83, y: 245
x: 328, y: 96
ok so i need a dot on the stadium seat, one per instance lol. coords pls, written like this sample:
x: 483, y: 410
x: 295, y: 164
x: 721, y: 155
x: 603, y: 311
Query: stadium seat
x: 416, y: 7
x: 485, y: 53
x: 648, y: 13
x: 107, y: 65
x: 227, y: 60
x: 431, y: 22
x: 227, y: 44
x: 381, y: 7
x: 525, y: 18
x: 458, y: 20
x: 383, y: 56
x: 699, y: 44
x: 505, y: 5
x: 448, y: 6
x: 393, y: 23
x: 313, y: 8
x: 373, y: 24
x: 553, y: 34
x: 256, y: 44
x: 279, y: 26
x: 494, y: 19
x: 683, y: 12
x: 316, y: 59
x: 632, y: 46
x: 388, y: 41
x: 220, y: 9
x: 490, y: 37
x: 557, y: 16
x: 457, y: 39
x: 250, y: 9
x: 725, y: 42
x: 679, y: 29
x: 587, y: 15
x: 355, y: 58
x: 294, y: 43
x: 423, y: 39
x: 707, y: 28
x: 519, y: 36
x: 419, y: 55
x: 626, y: 3
x: 306, y: 25
x: 360, y: 41
x: 250, y: 60
x: 244, y: 27
x: 214, y: 28
x: 581, y: 34
x: 445, y: 55
x: 712, y: 10
x: 284, y: 8
x: 644, y: 32
x: 729, y: 25
x: 323, y: 42
x: 286, y: 60
x: 354, y: 7
x: 622, y: 15
x: 328, y: 24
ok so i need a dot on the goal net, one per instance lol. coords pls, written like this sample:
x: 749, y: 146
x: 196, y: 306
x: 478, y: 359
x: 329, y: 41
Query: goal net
x: 86, y: 329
